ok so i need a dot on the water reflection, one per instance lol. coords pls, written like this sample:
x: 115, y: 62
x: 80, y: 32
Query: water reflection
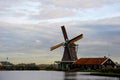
x: 70, y: 76
x: 50, y: 75
x: 85, y: 76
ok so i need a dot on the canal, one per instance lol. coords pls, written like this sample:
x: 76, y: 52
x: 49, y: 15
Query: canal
x: 50, y: 75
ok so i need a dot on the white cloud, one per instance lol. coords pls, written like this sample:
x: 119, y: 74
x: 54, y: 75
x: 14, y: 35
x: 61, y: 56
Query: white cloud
x: 78, y: 3
x: 33, y: 12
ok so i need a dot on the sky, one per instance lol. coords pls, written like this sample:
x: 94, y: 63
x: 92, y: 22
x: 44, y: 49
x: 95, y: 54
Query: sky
x: 28, y: 28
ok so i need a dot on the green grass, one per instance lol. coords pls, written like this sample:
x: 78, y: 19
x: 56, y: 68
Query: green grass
x: 106, y: 74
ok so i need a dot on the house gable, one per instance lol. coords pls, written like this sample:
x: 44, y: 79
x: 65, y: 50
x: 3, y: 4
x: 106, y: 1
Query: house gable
x: 108, y: 62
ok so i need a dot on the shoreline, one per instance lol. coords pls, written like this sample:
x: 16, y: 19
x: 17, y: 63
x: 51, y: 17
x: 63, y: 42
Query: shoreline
x: 105, y: 74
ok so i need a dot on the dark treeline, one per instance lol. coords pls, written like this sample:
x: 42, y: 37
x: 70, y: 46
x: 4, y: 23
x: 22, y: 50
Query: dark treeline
x: 32, y: 66
x: 22, y: 66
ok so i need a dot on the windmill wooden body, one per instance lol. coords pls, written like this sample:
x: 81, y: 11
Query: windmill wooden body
x: 70, y: 53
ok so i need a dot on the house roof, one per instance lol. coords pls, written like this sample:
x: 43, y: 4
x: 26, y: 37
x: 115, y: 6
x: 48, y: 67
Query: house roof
x: 90, y: 61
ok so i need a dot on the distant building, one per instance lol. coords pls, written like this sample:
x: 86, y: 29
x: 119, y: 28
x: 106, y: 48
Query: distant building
x: 94, y: 63
x: 0, y: 64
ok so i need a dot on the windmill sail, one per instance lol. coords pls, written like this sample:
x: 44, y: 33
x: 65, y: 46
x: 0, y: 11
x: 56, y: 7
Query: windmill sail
x: 56, y: 46
x: 64, y: 33
x: 76, y: 38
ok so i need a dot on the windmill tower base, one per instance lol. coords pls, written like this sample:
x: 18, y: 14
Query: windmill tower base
x: 64, y: 65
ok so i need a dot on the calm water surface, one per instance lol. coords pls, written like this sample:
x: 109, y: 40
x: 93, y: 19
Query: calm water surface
x: 50, y: 75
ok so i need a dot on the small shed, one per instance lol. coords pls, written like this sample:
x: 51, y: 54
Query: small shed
x: 94, y: 63
x: 0, y: 64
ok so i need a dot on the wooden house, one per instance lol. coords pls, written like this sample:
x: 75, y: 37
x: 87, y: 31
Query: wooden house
x: 94, y: 63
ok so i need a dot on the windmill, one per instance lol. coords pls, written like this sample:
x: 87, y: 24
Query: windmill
x: 70, y: 54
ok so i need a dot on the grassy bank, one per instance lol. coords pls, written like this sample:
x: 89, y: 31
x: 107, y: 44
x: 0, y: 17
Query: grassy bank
x: 111, y: 72
x: 106, y: 74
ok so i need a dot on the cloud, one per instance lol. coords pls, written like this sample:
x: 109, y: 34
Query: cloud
x: 25, y: 38
x: 51, y: 12
x: 33, y: 26
x: 37, y: 11
x: 17, y: 11
x: 78, y: 3
x: 114, y: 20
x: 15, y: 37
